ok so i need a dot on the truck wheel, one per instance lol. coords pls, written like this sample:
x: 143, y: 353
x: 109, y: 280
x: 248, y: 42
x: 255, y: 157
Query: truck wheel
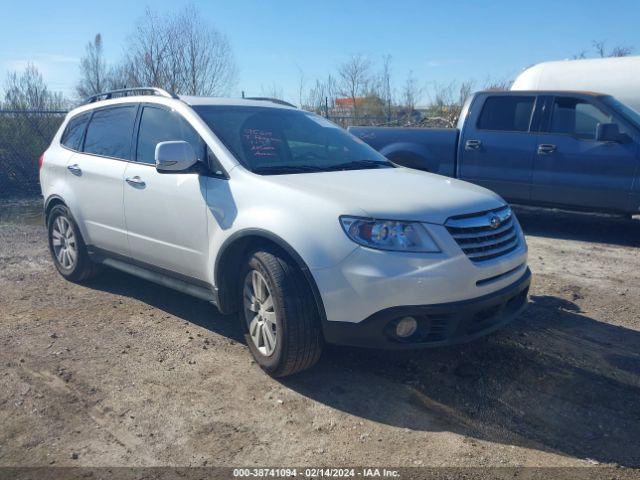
x: 67, y: 247
x: 278, y: 314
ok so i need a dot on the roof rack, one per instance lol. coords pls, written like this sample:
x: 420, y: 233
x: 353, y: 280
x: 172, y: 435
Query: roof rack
x: 273, y: 100
x: 123, y: 92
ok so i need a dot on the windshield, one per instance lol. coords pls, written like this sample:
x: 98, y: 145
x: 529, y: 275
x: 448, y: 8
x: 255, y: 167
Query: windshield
x: 272, y: 141
x: 625, y: 111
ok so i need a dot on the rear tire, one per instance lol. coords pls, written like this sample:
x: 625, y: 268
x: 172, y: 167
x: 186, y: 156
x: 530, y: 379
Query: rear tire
x: 67, y: 248
x: 278, y: 314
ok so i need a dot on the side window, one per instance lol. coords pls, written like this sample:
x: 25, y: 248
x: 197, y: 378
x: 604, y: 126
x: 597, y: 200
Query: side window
x: 573, y: 116
x: 109, y: 132
x: 506, y: 113
x: 72, y: 135
x: 160, y: 125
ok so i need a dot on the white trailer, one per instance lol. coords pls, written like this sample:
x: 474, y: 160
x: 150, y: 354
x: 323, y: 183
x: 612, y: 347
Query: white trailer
x: 619, y: 76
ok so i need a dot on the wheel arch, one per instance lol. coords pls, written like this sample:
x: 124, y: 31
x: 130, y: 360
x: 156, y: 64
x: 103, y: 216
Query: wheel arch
x: 410, y: 155
x: 233, y: 251
x: 51, y: 202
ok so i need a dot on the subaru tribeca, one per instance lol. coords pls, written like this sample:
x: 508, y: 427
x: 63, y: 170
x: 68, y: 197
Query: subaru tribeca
x: 275, y: 213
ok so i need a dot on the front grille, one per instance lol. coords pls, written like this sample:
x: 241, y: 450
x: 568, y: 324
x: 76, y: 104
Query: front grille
x: 485, y: 235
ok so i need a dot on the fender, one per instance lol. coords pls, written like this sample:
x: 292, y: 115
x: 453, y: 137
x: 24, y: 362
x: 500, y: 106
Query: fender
x: 51, y: 198
x: 282, y: 244
x: 411, y: 155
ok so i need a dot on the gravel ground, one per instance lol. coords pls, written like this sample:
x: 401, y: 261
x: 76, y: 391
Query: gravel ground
x: 121, y: 372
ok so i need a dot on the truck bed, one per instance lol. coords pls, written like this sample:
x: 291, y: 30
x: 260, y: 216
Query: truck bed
x: 428, y: 149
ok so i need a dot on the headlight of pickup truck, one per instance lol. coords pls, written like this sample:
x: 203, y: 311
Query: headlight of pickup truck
x: 389, y: 235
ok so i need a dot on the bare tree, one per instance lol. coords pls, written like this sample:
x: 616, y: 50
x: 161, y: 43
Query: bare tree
x: 385, y: 83
x: 322, y: 93
x: 354, y: 75
x: 448, y: 100
x: 208, y: 64
x: 120, y: 77
x: 600, y: 47
x: 272, y: 91
x: 621, y: 51
x: 497, y: 84
x: 27, y: 91
x: 411, y: 93
x: 180, y: 53
x: 93, y: 70
x: 148, y: 52
x: 465, y: 90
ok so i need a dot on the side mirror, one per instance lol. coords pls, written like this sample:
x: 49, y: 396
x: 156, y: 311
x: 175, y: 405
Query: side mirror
x: 173, y: 157
x: 610, y: 132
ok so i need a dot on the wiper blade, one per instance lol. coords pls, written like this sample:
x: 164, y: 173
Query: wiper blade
x: 284, y: 169
x: 358, y: 164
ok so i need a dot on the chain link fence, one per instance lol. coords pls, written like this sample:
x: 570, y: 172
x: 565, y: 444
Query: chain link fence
x: 24, y: 135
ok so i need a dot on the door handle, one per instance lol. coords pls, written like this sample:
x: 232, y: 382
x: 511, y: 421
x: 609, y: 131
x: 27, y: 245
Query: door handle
x: 546, y: 149
x: 75, y: 169
x: 135, y: 181
x: 472, y: 145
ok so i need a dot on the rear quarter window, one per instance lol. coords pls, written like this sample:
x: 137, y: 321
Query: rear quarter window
x: 506, y: 113
x: 74, y: 131
x: 109, y: 132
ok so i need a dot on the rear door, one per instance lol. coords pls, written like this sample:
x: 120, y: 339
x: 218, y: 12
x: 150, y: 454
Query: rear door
x: 95, y: 176
x: 573, y: 168
x: 166, y: 212
x: 497, y: 144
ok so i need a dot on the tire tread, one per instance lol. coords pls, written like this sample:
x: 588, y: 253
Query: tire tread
x: 303, y: 342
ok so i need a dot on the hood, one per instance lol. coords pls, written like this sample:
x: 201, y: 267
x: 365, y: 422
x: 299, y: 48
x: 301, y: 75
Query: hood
x: 394, y: 193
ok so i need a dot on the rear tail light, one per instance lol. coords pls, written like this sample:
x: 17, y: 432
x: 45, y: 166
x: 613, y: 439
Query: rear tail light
x: 40, y: 161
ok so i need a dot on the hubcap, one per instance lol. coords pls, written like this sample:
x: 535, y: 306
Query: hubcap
x: 259, y: 313
x: 64, y: 243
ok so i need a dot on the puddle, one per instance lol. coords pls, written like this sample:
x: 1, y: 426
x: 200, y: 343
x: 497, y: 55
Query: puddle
x: 21, y: 211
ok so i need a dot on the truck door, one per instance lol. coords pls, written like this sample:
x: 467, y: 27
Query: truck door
x: 575, y: 169
x: 497, y: 144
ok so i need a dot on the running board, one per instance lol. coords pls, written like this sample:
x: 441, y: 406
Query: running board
x: 194, y: 290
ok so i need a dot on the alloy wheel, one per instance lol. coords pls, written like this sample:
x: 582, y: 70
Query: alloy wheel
x: 259, y: 313
x: 63, y: 240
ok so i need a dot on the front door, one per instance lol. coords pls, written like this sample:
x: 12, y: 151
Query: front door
x: 165, y: 212
x: 573, y: 168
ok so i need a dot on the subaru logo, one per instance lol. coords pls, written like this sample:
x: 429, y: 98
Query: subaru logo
x: 494, y: 221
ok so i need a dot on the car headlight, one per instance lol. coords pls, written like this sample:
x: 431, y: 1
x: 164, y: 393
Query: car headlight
x: 389, y: 235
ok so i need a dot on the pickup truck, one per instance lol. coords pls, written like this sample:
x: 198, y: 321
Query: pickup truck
x: 573, y: 150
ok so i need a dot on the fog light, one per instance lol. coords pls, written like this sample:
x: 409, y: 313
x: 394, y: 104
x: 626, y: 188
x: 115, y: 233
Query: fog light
x: 406, y: 327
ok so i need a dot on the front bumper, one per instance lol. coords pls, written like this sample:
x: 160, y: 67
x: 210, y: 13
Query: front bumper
x: 439, y: 324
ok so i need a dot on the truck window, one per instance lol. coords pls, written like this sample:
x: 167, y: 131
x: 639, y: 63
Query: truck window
x: 574, y: 116
x: 507, y: 113
x: 109, y: 132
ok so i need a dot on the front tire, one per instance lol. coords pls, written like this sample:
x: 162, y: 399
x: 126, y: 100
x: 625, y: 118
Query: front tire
x: 67, y: 248
x: 279, y: 315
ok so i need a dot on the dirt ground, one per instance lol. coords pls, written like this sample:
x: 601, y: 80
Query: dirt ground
x: 121, y: 372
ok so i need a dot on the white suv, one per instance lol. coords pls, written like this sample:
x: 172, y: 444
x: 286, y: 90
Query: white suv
x: 277, y: 213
